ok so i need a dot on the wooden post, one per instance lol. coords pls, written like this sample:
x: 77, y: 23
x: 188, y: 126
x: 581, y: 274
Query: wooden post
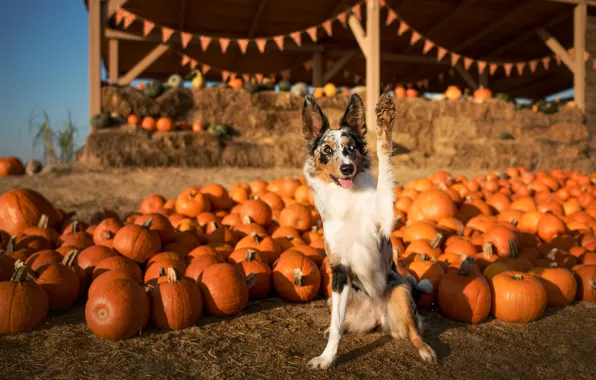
x: 373, y: 61
x: 113, y: 54
x: 466, y: 76
x: 580, y: 17
x: 483, y: 78
x: 317, y: 69
x: 94, y: 57
x: 143, y: 64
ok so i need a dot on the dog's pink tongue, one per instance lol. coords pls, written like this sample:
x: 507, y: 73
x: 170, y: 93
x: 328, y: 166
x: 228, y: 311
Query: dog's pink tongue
x: 345, y: 182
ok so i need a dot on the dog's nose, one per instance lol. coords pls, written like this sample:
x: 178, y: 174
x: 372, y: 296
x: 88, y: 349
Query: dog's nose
x: 346, y: 169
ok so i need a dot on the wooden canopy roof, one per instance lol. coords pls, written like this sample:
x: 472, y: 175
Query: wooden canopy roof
x: 489, y: 30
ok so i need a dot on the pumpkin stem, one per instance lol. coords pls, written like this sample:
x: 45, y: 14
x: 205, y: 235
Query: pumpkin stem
x: 518, y: 276
x: 553, y: 264
x: 29, y: 274
x: 70, y: 257
x: 250, y: 255
x: 464, y: 267
x: 436, y: 242
x: 396, y: 253
x: 513, y: 249
x: 297, y: 277
x: 74, y: 227
x: 10, y: 247
x: 246, y: 220
x: 251, y: 279
x: 488, y: 251
x: 515, y: 222
x: 552, y: 254
x: 256, y: 238
x: 172, y: 274
x: 107, y: 235
x: 19, y: 275
x: 461, y: 231
x: 433, y: 259
x: 424, y: 257
x: 592, y: 283
x: 43, y: 221
x: 147, y: 224
x: 161, y: 272
x: 314, y: 229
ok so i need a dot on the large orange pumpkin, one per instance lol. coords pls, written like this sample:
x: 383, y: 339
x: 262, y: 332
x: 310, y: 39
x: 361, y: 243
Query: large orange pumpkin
x: 23, y: 208
x: 120, y: 263
x: 106, y: 231
x: 236, y: 83
x: 432, y: 205
x: 165, y: 124
x: 191, y: 202
x: 153, y: 203
x: 296, y: 278
x: 586, y: 282
x: 263, y: 244
x: 60, y: 283
x: 517, y: 297
x: 296, y: 216
x: 149, y: 124
x: 559, y: 284
x: 42, y: 258
x: 196, y: 268
x: 137, y: 243
x: 431, y: 271
x: 160, y: 224
x: 224, y: 289
x: 258, y: 266
x: 257, y: 211
x: 11, y: 166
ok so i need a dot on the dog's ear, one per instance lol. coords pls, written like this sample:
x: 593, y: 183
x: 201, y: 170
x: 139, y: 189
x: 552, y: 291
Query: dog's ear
x: 314, y: 121
x: 354, y: 115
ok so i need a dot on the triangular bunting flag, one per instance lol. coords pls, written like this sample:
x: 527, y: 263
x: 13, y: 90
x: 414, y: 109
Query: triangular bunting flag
x: 467, y: 63
x: 205, y: 68
x: 297, y: 38
x: 425, y: 83
x: 403, y: 27
x: 419, y: 84
x: 205, y: 41
x: 533, y: 64
x: 481, y: 66
x: 415, y: 37
x: 259, y: 77
x: 246, y: 77
x: 546, y: 62
x: 129, y: 18
x: 428, y: 45
x: 391, y: 16
x: 279, y: 41
x: 225, y: 75
x: 223, y: 44
x: 356, y: 11
x: 508, y: 67
x: 185, y: 60
x: 586, y: 56
x: 520, y: 67
x: 243, y: 45
x: 312, y: 32
x: 308, y: 64
x: 166, y: 33
x: 261, y: 42
x: 342, y: 17
x: 493, y: 68
x: 193, y: 63
x: 232, y: 75
x: 441, y: 53
x: 451, y: 73
x: 185, y: 39
x: 454, y: 58
x: 119, y: 16
x: 328, y: 27
x: 441, y: 77
x: 285, y: 74
x: 558, y: 59
x: 147, y: 27
x: 571, y: 52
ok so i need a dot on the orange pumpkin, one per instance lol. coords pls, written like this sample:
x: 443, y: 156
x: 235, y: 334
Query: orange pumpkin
x: 585, y: 276
x: 191, y: 202
x: 432, y: 205
x: 559, y: 284
x: 224, y: 289
x: 296, y: 216
x: 411, y: 93
x: 427, y: 269
x: 400, y: 92
x: 165, y: 124
x: 236, y: 83
x: 198, y: 126
x: 257, y: 211
x: 133, y: 119
x: 149, y: 124
x: 517, y: 297
x: 296, y: 278
x: 481, y: 94
x: 254, y: 263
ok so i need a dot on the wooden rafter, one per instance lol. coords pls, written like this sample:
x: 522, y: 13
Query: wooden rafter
x: 257, y: 18
x: 580, y: 18
x: 113, y: 59
x: 113, y: 5
x: 590, y: 3
x: 556, y: 48
x: 359, y: 34
x: 340, y: 64
x: 143, y: 64
x: 466, y: 76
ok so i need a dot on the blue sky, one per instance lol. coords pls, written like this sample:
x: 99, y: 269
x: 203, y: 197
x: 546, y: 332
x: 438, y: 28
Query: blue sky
x: 44, y: 65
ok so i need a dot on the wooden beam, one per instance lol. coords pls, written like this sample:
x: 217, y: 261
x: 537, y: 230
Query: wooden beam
x: 339, y: 65
x: 317, y: 69
x: 113, y: 57
x: 373, y: 60
x: 94, y: 57
x: 143, y: 64
x: 483, y: 78
x: 556, y: 48
x: 590, y: 3
x: 359, y: 33
x: 462, y: 6
x: 580, y: 18
x: 257, y: 18
x: 112, y: 5
x: 466, y: 76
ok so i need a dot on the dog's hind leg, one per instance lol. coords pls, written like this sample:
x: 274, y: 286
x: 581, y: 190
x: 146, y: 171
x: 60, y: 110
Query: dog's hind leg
x: 340, y: 284
x: 402, y: 321
x: 384, y: 195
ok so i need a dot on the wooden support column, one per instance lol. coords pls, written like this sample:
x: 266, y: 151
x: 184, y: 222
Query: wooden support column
x: 373, y: 61
x: 359, y: 34
x: 113, y: 56
x: 466, y: 76
x: 483, y: 78
x: 580, y: 18
x: 143, y: 64
x: 94, y: 57
x: 317, y: 69
x: 556, y: 48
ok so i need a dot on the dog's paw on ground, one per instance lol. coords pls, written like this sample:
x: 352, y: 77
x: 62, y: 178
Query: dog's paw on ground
x: 321, y: 362
x: 428, y: 354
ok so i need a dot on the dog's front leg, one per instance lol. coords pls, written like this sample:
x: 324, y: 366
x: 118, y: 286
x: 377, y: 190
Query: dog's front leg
x: 339, y: 302
x: 384, y: 196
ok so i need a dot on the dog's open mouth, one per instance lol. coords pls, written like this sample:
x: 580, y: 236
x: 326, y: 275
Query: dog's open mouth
x: 346, y: 183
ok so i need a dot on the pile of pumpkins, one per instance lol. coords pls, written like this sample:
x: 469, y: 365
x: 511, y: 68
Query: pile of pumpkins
x: 167, y: 124
x: 508, y: 245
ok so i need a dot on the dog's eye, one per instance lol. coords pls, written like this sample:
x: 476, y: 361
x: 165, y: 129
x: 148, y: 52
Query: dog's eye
x: 351, y: 147
x: 327, y: 150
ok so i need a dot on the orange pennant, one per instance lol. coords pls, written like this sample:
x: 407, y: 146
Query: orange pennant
x: 481, y: 66
x: 147, y: 27
x: 193, y: 63
x: 328, y: 27
x: 261, y: 42
x: 205, y: 41
x: 508, y: 67
x: 166, y: 33
x: 259, y: 77
x: 454, y: 58
x: 129, y: 18
x: 571, y: 52
x: 205, y: 68
x: 185, y: 39
x: 312, y: 32
x: 467, y: 63
x: 185, y: 60
x: 428, y: 45
x: 415, y: 37
x: 119, y: 16
x: 586, y: 56
x: 441, y: 53
x: 403, y: 27
x: 246, y: 77
x: 356, y: 11
x: 297, y: 38
x: 391, y: 16
x: 279, y: 41
x: 546, y: 62
x: 223, y: 44
x: 493, y: 68
x: 533, y: 64
x: 225, y: 75
x: 342, y: 17
x: 425, y: 83
x: 308, y: 64
x: 520, y: 67
x: 558, y: 59
x: 243, y: 45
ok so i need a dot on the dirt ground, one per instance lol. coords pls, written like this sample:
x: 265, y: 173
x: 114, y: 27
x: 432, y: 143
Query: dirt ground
x: 272, y: 339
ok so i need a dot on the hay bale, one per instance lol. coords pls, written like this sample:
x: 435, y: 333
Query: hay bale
x: 174, y: 102
x: 125, y: 100
x: 568, y: 115
x: 568, y: 132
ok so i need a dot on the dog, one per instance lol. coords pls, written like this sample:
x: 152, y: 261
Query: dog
x: 357, y: 214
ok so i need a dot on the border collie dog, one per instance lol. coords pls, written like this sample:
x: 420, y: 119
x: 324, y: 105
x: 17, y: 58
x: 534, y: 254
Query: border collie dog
x: 357, y: 218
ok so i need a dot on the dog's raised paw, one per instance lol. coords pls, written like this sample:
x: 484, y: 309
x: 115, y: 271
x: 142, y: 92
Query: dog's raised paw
x: 428, y: 354
x: 321, y: 362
